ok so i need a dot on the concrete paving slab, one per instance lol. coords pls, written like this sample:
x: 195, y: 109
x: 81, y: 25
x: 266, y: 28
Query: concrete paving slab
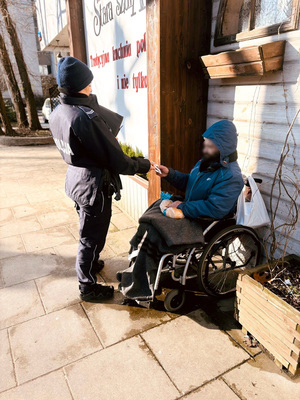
x: 192, y: 350
x: 48, y: 387
x: 31, y: 209
x: 112, y: 266
x: 59, y: 289
x: 112, y: 228
x: 7, y: 376
x: 64, y: 202
x: 262, y: 379
x: 29, y: 266
x: 214, y: 390
x: 122, y: 221
x: 46, y: 238
x: 36, y: 197
x: 19, y: 226
x: 57, y: 218
x: 11, y: 246
x: 222, y: 314
x: 6, y: 216
x: 74, y: 230
x: 124, y: 371
x: 115, y: 209
x: 107, y: 253
x: 119, y: 241
x: 2, y: 189
x: 68, y: 253
x: 19, y: 303
x: 12, y: 201
x: 129, y: 321
x: 51, y: 341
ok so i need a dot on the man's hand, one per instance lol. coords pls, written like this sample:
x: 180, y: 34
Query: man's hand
x: 175, y: 204
x: 164, y: 171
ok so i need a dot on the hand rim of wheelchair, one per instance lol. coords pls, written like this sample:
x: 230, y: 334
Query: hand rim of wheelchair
x: 202, y: 272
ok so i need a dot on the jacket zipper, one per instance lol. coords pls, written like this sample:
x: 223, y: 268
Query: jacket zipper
x: 193, y: 185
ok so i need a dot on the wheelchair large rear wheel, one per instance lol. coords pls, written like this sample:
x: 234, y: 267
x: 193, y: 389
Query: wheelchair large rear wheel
x: 229, y: 252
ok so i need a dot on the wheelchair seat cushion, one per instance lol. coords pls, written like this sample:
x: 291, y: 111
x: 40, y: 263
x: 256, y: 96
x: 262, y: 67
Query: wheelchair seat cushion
x: 175, y: 232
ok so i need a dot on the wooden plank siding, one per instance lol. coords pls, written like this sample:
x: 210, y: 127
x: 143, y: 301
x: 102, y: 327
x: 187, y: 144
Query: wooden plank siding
x: 177, y: 88
x: 262, y: 107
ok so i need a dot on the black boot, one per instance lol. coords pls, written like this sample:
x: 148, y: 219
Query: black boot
x: 95, y: 293
x: 119, y: 276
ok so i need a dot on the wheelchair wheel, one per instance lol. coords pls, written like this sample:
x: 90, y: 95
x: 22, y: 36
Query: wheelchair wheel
x: 174, y: 300
x: 228, y: 253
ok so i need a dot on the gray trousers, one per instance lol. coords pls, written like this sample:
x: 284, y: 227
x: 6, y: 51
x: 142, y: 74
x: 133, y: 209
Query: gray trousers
x: 93, y: 227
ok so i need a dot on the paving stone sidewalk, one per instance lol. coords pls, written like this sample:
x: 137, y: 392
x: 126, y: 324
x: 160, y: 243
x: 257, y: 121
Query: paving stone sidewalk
x: 55, y: 347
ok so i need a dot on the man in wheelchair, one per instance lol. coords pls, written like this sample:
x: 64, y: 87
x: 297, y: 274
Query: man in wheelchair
x: 211, y: 190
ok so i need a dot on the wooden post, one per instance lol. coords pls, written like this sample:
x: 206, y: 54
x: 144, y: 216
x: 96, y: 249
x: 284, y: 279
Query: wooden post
x: 153, y: 87
x: 76, y: 29
x: 178, y: 33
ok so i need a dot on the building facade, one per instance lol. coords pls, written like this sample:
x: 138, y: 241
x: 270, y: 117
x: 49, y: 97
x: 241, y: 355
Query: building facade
x: 263, y: 106
x: 145, y: 56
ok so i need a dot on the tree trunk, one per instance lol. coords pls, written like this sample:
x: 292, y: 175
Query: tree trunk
x: 34, y: 122
x: 12, y: 85
x: 8, y: 130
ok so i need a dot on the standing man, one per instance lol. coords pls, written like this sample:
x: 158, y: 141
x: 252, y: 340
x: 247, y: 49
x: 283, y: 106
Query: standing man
x: 85, y: 134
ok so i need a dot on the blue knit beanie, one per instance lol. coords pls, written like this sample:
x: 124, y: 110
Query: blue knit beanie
x: 73, y: 74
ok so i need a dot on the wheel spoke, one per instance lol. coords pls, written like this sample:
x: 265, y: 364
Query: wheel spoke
x: 234, y: 250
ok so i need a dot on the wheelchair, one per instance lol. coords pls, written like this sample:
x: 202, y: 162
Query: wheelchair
x: 228, y: 249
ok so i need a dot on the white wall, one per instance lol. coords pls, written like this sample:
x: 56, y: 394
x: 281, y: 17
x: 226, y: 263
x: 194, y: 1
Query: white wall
x: 262, y: 109
x: 129, y: 26
x: 52, y: 18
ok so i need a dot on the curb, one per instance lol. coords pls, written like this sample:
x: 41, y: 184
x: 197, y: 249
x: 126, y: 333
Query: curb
x: 25, y: 141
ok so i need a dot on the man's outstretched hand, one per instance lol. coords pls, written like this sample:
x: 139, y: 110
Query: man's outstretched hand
x: 164, y: 171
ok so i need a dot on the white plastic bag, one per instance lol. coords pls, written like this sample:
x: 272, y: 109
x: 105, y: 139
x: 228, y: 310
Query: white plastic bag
x: 252, y: 213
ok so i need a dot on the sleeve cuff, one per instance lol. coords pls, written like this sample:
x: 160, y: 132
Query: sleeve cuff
x: 181, y: 206
x: 170, y: 175
x: 144, y: 165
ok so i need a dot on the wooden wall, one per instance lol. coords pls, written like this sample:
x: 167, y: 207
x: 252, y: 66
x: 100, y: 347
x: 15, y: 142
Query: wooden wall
x: 262, y: 109
x: 178, y: 32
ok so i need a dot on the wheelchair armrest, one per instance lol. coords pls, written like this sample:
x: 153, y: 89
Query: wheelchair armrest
x: 211, y: 219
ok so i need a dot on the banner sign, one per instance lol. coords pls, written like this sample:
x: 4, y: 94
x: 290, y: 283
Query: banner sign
x: 115, y: 33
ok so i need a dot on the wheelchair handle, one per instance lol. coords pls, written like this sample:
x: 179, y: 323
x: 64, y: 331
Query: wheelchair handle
x: 257, y: 180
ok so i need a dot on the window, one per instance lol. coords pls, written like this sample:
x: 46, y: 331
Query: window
x: 247, y: 19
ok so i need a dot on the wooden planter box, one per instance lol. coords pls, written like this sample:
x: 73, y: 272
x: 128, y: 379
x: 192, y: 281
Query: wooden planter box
x: 272, y: 321
x: 253, y: 60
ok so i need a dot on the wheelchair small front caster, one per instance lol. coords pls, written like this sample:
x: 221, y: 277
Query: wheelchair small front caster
x: 174, y: 300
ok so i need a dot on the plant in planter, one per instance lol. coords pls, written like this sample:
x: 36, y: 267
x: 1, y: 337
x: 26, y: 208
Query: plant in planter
x: 268, y: 296
x: 131, y: 152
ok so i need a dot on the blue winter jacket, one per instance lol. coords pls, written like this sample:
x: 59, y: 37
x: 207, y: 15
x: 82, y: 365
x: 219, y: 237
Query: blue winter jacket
x: 212, y: 193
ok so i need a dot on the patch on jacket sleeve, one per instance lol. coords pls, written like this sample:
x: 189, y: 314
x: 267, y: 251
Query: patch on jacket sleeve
x: 88, y: 111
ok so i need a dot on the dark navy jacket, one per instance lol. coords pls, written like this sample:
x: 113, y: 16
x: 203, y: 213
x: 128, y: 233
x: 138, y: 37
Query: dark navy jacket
x: 214, y: 191
x: 84, y: 133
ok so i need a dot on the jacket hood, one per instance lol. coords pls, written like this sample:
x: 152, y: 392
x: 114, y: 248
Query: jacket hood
x: 224, y: 135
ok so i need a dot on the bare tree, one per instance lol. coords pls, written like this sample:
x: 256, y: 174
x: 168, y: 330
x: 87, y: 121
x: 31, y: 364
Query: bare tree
x: 12, y: 84
x: 8, y: 130
x: 34, y: 122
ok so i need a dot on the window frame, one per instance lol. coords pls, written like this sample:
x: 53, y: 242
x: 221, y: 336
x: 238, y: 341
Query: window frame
x: 220, y: 40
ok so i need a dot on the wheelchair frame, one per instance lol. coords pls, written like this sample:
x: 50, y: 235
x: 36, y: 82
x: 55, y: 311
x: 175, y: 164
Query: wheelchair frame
x: 182, y: 279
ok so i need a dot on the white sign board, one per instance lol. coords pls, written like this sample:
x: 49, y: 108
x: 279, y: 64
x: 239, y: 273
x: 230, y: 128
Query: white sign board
x: 116, y: 50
